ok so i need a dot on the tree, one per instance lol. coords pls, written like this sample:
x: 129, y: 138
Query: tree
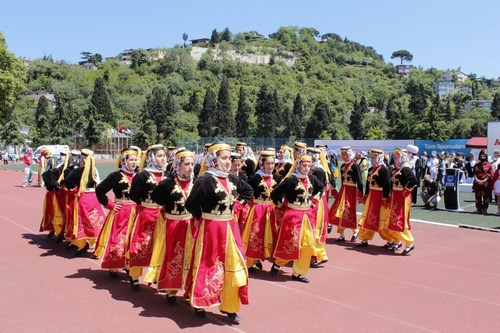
x: 226, y: 35
x: 495, y: 107
x: 318, y: 123
x: 92, y: 131
x: 206, y: 122
x: 61, y: 124
x: 265, y: 111
x: 43, y: 129
x: 12, y: 80
x: 100, y: 100
x: 193, y: 105
x: 86, y: 56
x: 224, y: 117
x: 184, y: 38
x: 161, y: 109
x: 214, y: 39
x: 243, y: 115
x: 403, y: 55
x: 418, y: 99
x: 139, y: 57
x: 295, y: 120
x: 10, y: 133
x: 355, y: 126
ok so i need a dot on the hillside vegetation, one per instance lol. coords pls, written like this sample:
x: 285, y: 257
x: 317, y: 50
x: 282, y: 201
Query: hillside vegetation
x: 335, y: 89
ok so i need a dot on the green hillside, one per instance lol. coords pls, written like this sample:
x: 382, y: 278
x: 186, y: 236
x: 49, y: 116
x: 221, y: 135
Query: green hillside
x: 335, y: 89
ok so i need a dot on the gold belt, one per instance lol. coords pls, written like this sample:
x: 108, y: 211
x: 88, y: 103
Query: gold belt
x: 208, y: 216
x: 299, y: 207
x: 149, y: 205
x: 376, y: 189
x: 124, y: 201
x: 350, y: 184
x: 182, y: 217
x: 89, y: 190
x: 263, y: 202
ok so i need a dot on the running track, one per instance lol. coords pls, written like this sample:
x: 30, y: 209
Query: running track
x: 450, y: 283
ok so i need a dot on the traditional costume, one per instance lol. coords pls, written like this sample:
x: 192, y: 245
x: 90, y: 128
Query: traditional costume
x: 298, y: 193
x: 260, y: 228
x: 146, y: 229
x: 87, y: 216
x: 285, y: 162
x: 171, y: 193
x: 27, y: 161
x: 483, y: 174
x: 376, y: 210
x: 320, y: 170
x: 218, y: 274
x: 403, y: 182
x: 112, y: 242
x: 343, y: 210
x: 52, y: 212
x: 248, y: 158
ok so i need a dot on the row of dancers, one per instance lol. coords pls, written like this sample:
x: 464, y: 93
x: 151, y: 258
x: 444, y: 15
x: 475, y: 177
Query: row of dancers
x: 201, y: 236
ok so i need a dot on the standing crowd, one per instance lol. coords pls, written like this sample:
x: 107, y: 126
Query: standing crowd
x: 198, y: 226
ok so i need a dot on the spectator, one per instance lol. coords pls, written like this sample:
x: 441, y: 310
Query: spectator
x: 5, y: 157
x: 430, y: 193
x: 469, y: 168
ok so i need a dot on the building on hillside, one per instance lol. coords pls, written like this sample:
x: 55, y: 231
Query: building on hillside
x: 404, y: 70
x: 465, y: 90
x: 204, y: 41
x: 478, y: 103
x: 90, y: 66
x: 444, y: 88
x: 461, y: 77
x: 156, y: 54
x: 37, y: 94
x: 126, y: 57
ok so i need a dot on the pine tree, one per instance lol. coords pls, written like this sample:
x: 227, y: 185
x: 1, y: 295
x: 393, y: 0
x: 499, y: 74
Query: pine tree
x: 495, y: 107
x: 100, y: 100
x: 145, y: 135
x: 243, y: 116
x: 355, y: 126
x: 61, y: 124
x: 168, y: 126
x: 193, y: 105
x: 224, y: 117
x: 42, y: 116
x: 265, y: 110
x: 319, y: 120
x: 92, y: 131
x: 226, y: 35
x: 206, y: 121
x: 161, y: 109
x: 418, y: 100
x: 214, y: 39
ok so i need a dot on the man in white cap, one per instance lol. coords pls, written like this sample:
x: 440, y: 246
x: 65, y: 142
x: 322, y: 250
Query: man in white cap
x: 416, y: 167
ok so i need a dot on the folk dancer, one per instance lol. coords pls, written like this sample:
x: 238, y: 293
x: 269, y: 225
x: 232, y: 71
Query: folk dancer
x: 86, y: 216
x: 218, y: 274
x: 285, y: 162
x: 260, y: 228
x: 144, y: 230
x: 113, y: 239
x: 320, y: 170
x: 343, y: 210
x: 299, y: 193
x: 376, y: 210
x: 415, y: 164
x: 403, y: 182
x: 52, y: 213
x: 171, y: 193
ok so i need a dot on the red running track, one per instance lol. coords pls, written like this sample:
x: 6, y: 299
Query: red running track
x: 450, y: 283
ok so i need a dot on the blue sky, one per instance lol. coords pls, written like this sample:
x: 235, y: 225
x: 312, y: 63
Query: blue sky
x: 442, y: 34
